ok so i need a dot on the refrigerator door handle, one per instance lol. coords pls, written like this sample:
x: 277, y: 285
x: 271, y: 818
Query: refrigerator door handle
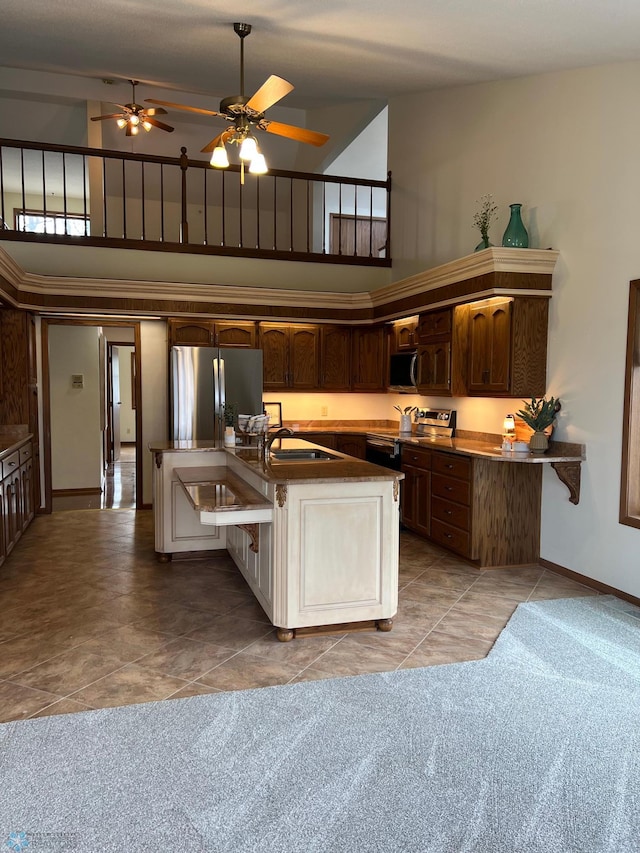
x: 222, y: 390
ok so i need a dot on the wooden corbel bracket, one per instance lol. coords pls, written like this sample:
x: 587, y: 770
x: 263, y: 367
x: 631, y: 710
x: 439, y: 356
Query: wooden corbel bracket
x: 569, y: 474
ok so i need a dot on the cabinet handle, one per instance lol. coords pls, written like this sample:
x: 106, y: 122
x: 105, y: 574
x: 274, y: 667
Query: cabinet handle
x: 11, y: 464
x: 449, y: 535
x: 449, y: 488
x: 449, y: 466
x: 448, y: 512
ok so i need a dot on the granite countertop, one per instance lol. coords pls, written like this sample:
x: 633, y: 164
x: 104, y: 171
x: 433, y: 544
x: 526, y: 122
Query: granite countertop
x: 340, y: 468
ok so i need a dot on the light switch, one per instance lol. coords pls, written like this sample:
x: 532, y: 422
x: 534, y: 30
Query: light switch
x: 77, y: 380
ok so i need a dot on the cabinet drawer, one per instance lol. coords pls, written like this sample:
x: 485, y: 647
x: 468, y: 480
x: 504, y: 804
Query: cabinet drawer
x: 419, y: 457
x: 450, y: 537
x: 10, y: 464
x: 451, y: 489
x: 451, y: 513
x: 452, y: 466
x: 25, y: 452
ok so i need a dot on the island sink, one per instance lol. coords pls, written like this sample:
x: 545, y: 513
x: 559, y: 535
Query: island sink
x: 291, y: 454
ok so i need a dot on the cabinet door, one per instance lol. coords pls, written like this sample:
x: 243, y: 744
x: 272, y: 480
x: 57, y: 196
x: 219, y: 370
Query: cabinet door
x: 192, y: 332
x: 26, y: 493
x: 352, y: 445
x: 434, y: 368
x: 3, y: 537
x: 235, y: 334
x: 369, y: 358
x: 274, y: 342
x: 434, y: 324
x: 335, y: 358
x: 404, y: 335
x: 324, y: 439
x: 489, y: 348
x: 304, y: 357
x: 416, y: 500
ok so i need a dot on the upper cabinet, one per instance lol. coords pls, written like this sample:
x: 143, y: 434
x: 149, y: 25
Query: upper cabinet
x: 369, y: 358
x: 433, y: 368
x: 213, y: 333
x: 507, y: 341
x: 291, y: 356
x: 403, y: 337
x: 335, y: 358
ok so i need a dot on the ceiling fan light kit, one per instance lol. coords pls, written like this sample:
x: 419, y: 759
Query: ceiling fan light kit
x: 134, y: 116
x: 246, y: 114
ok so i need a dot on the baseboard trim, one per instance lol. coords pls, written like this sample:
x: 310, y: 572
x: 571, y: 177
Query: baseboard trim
x: 70, y: 493
x: 590, y: 582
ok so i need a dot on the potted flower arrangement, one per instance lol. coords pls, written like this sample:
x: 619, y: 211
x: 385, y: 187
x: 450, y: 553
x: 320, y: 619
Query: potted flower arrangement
x: 482, y: 220
x: 539, y: 415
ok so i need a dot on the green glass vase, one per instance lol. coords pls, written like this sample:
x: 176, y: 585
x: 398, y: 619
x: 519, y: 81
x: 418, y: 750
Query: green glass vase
x: 483, y: 244
x: 515, y: 236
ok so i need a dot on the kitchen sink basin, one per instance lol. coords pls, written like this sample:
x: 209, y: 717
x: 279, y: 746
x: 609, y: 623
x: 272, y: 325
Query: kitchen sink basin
x: 298, y: 454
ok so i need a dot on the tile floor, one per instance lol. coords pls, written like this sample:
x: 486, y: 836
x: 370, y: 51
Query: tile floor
x: 90, y: 619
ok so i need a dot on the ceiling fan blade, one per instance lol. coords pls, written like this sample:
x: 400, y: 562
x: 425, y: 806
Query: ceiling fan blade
x: 182, y: 107
x: 154, y: 121
x: 154, y: 112
x: 300, y: 134
x: 101, y: 118
x: 213, y: 144
x: 271, y: 91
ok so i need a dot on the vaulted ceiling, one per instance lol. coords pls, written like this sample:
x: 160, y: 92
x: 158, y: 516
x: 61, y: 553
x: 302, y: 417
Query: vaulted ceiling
x: 331, y: 51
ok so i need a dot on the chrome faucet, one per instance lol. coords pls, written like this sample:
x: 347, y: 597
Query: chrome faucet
x: 279, y: 433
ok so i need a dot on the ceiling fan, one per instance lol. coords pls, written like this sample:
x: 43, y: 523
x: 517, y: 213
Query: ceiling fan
x: 134, y: 116
x: 246, y: 114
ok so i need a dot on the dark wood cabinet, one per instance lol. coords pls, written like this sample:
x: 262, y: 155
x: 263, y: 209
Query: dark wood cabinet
x: 210, y: 333
x: 507, y: 347
x: 335, y: 358
x: 404, y: 337
x: 352, y: 445
x: 369, y: 358
x: 291, y: 356
x: 451, y: 496
x: 433, y: 368
x: 415, y: 504
x: 324, y: 439
x: 18, y: 385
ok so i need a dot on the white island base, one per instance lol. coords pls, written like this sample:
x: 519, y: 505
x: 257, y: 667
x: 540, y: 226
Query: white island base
x: 327, y: 556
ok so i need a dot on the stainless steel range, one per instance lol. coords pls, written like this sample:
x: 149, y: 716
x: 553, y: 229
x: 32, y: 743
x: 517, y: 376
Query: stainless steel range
x: 431, y: 424
x: 435, y: 423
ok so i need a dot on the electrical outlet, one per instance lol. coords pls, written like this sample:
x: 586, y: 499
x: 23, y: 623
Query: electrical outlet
x: 324, y: 411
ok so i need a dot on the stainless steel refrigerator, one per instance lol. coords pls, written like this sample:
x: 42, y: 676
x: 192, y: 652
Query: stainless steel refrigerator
x: 203, y: 380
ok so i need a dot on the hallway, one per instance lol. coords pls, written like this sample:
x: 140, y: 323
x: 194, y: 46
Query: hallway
x: 119, y: 490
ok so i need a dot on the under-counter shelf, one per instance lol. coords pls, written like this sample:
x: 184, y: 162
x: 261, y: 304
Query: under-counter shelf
x: 222, y: 498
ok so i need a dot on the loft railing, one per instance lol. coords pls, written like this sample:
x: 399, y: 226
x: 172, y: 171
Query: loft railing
x: 88, y: 196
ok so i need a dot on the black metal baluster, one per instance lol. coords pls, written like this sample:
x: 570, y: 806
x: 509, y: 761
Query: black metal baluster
x: 275, y: 212
x: 24, y: 203
x: 4, y: 220
x: 291, y: 214
x: 324, y: 220
x: 144, y: 231
x: 355, y: 221
x: 162, y: 202
x: 44, y: 198
x: 370, y: 222
x: 124, y: 202
x: 340, y: 220
x: 241, y: 185
x: 84, y: 195
x: 224, y: 210
x: 64, y: 190
x: 206, y: 219
x: 104, y: 196
x: 308, y: 219
x: 257, y: 211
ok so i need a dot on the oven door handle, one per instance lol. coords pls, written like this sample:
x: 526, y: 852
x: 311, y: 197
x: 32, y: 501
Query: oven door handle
x: 385, y: 446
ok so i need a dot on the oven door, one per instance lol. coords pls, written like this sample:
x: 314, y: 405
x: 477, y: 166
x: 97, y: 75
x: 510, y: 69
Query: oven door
x: 384, y: 452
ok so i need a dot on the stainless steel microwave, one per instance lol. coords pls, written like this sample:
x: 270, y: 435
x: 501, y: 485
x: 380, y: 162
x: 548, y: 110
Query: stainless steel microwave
x: 402, y: 372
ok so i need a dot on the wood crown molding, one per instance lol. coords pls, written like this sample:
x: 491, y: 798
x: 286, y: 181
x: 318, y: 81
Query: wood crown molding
x: 444, y: 285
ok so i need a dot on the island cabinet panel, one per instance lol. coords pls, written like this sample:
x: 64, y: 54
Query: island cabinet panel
x: 209, y: 333
x: 507, y: 347
x: 335, y: 358
x: 177, y: 527
x: 369, y: 358
x: 335, y: 553
x: 291, y: 356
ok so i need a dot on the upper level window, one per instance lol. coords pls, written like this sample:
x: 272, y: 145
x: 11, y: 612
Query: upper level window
x: 50, y: 222
x: 630, y: 479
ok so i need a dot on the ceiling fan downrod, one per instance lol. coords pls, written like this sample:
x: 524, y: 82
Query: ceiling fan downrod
x: 242, y: 31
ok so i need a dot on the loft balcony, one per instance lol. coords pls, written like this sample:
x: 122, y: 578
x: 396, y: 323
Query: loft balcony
x: 93, y: 197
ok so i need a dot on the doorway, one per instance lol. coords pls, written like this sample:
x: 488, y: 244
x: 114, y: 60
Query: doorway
x: 89, y: 463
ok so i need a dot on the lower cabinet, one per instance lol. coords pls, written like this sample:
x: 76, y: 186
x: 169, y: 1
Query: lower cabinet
x: 485, y: 510
x: 17, y: 506
x: 416, y: 489
x: 352, y: 445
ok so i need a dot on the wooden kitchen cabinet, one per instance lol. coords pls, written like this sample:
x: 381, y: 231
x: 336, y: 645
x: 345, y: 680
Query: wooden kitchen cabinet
x: 507, y: 341
x: 352, y: 445
x: 451, y: 495
x: 416, y: 489
x: 369, y: 358
x: 324, y: 439
x: 335, y: 358
x: 404, y: 337
x: 17, y: 506
x: 291, y: 356
x: 433, y: 365
x: 210, y: 333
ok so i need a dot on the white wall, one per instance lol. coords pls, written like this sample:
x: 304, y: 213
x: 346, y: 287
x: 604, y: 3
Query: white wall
x: 565, y: 145
x: 127, y: 413
x: 154, y: 379
x: 76, y: 438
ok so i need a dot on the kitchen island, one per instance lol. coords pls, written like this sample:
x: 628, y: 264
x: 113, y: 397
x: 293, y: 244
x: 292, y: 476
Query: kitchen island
x: 316, y: 539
